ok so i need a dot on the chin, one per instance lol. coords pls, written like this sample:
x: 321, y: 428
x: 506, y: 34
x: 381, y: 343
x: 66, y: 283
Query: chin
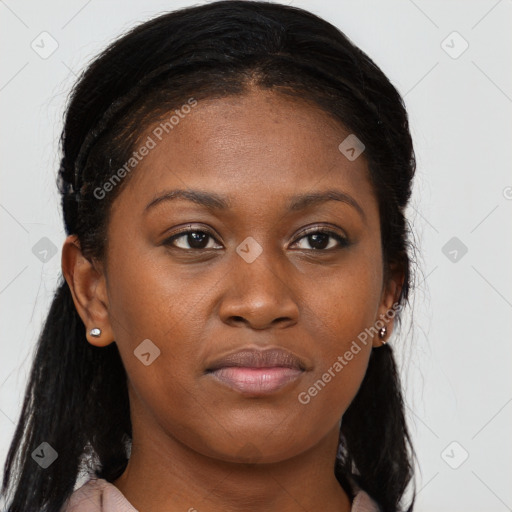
x: 250, y: 453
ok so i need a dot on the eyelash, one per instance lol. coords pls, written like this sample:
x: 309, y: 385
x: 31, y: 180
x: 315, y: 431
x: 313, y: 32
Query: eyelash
x: 342, y: 241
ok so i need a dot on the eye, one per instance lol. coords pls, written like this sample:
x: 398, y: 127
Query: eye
x: 195, y: 239
x: 318, y: 239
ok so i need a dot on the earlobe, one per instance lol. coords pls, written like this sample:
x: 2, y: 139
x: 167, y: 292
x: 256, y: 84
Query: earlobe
x: 384, y: 328
x: 389, y: 306
x: 88, y: 288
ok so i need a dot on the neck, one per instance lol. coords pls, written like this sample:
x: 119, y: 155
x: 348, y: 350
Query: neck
x: 163, y: 474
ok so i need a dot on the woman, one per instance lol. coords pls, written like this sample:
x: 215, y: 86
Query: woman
x: 234, y: 178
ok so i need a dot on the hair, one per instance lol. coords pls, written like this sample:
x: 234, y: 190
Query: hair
x: 76, y: 399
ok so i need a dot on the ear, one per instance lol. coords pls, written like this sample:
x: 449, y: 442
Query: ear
x: 391, y: 290
x: 88, y: 288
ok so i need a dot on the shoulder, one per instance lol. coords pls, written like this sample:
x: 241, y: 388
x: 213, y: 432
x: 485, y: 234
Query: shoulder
x: 97, y: 495
x: 364, y: 503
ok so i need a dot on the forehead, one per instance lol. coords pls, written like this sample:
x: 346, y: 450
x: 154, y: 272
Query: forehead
x: 255, y: 148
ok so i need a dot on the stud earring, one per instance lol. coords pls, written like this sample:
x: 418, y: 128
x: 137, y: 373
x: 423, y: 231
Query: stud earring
x: 382, y: 333
x: 96, y: 332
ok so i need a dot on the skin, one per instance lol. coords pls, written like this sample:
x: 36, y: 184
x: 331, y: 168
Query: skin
x: 197, y: 444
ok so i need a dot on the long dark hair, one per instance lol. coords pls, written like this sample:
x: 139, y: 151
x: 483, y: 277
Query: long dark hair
x: 76, y: 398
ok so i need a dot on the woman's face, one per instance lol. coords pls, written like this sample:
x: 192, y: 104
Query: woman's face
x: 247, y: 276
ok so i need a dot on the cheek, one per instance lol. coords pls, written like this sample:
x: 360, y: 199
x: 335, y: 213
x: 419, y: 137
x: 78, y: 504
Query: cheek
x: 151, y: 299
x: 343, y: 303
x: 341, y: 357
x: 342, y: 308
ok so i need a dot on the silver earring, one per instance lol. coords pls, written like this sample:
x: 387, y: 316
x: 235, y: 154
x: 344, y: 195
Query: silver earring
x: 96, y: 332
x: 382, y: 333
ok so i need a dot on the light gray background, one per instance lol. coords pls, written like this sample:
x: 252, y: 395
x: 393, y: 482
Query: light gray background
x: 456, y: 362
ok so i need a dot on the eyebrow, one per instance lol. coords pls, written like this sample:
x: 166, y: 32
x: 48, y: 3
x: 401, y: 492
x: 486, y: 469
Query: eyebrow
x: 215, y: 201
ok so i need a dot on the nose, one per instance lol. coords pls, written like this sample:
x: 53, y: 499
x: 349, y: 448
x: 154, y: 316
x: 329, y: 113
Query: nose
x: 259, y: 295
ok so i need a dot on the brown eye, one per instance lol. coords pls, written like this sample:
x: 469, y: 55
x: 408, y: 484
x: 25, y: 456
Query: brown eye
x: 319, y: 240
x: 196, y: 239
x: 191, y: 240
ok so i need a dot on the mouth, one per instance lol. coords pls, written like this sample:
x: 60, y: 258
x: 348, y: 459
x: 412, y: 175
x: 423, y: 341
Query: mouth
x: 256, y: 381
x: 254, y: 372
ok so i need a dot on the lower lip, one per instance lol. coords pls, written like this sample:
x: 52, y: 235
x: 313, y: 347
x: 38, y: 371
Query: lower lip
x: 256, y: 381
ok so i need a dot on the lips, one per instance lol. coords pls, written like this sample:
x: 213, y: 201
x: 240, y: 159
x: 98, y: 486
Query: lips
x: 254, y: 358
x: 256, y: 372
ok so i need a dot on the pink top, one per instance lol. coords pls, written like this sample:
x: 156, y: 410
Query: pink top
x: 98, y: 495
